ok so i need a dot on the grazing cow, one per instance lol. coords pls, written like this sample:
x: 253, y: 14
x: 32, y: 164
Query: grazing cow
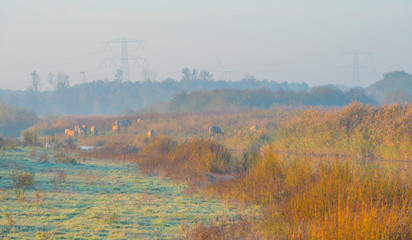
x: 70, y: 133
x: 94, y: 130
x: 84, y: 128
x: 115, y: 127
x: 123, y: 123
x: 253, y: 127
x: 151, y: 134
x: 80, y: 129
x: 215, y: 130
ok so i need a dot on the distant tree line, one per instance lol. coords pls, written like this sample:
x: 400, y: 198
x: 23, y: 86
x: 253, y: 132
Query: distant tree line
x: 235, y: 99
x: 15, y: 119
x: 395, y: 87
x: 117, y: 97
x: 195, y: 91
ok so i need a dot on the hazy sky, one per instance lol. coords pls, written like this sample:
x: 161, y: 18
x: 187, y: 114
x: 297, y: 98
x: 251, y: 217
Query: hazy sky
x: 293, y: 41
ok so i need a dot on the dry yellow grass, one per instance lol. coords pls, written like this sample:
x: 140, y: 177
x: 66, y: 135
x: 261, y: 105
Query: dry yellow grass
x: 306, y: 198
x: 356, y: 130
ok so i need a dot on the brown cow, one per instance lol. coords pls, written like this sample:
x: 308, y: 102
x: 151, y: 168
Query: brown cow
x: 123, y: 123
x: 84, y: 129
x: 151, y: 134
x: 94, y: 130
x: 115, y: 127
x: 70, y: 133
x: 254, y: 128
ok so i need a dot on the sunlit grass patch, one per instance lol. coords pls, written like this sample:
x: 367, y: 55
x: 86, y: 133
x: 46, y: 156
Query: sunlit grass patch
x: 98, y: 200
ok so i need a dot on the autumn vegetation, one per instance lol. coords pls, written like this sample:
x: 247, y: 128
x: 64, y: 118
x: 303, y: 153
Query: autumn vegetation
x: 316, y: 173
x: 356, y: 130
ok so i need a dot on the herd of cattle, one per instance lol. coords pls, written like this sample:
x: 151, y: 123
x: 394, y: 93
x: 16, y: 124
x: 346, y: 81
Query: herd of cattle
x: 124, y: 124
x: 116, y: 128
x: 81, y: 130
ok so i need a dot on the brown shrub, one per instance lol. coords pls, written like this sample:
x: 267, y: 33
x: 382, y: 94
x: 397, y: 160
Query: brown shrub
x: 224, y: 228
x: 39, y: 196
x: 22, y: 178
x: 61, y: 176
x: 32, y: 153
x: 356, y: 130
x: 43, y: 158
x: 160, y: 145
x: 307, y: 199
x: 203, y: 156
x: 197, y: 156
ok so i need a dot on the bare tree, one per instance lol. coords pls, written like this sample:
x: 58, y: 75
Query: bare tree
x: 62, y: 81
x: 205, y: 75
x: 35, y: 82
x: 50, y: 78
x: 189, y: 76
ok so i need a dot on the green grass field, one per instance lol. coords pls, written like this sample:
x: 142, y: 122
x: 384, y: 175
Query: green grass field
x: 95, y: 200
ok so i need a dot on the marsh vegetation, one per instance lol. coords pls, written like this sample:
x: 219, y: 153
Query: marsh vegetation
x: 283, y: 173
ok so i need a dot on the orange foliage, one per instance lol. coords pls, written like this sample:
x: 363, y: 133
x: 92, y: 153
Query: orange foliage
x: 307, y: 199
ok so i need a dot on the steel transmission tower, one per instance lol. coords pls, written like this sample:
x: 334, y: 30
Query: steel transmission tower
x: 124, y: 57
x: 356, y: 66
x: 125, y: 60
x: 83, y: 74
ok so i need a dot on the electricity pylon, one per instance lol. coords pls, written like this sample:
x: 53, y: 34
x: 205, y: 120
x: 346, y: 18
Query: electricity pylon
x: 83, y: 74
x: 124, y: 56
x: 356, y: 66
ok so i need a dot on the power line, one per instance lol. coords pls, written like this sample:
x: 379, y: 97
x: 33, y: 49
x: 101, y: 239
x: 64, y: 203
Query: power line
x: 356, y: 67
x: 124, y: 56
x: 59, y: 61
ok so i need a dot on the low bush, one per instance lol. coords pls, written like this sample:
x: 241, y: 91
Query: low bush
x: 61, y: 176
x: 21, y: 181
x: 43, y: 158
x: 22, y: 178
x: 9, y: 219
x: 39, y: 196
x: 203, y: 156
x: 9, y: 142
x: 119, y: 145
x: 63, y: 158
x: 161, y: 145
x: 89, y: 177
x: 32, y: 153
x: 30, y: 137
x: 191, y: 161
